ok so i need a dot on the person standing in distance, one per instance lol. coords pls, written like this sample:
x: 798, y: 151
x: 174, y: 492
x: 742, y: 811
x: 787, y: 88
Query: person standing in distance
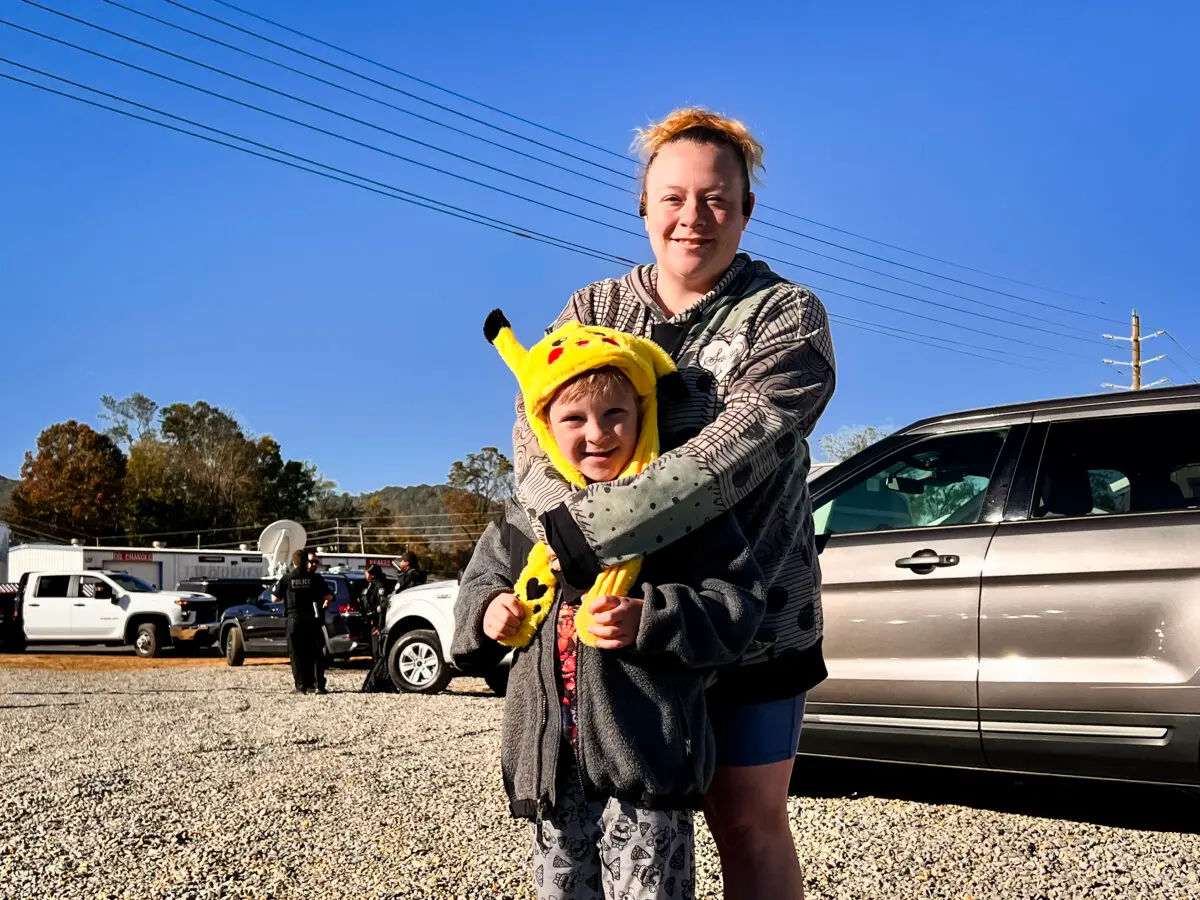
x: 305, y: 596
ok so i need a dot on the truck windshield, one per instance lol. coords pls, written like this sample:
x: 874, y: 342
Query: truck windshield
x: 131, y: 584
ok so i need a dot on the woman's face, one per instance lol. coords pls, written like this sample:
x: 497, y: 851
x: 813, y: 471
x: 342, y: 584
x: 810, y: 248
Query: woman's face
x: 694, y: 211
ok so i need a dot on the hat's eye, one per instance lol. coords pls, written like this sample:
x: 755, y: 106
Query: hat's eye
x: 559, y: 342
x: 582, y: 343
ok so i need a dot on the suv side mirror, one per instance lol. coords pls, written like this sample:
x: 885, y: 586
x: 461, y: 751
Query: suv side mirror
x: 115, y: 599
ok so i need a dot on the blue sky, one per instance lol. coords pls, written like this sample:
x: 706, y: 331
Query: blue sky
x: 1054, y: 143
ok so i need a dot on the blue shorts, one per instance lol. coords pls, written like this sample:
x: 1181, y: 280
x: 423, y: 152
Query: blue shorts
x: 758, y: 734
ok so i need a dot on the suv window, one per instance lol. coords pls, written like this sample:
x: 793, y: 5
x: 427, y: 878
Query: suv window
x: 938, y: 481
x: 52, y: 586
x: 1127, y: 464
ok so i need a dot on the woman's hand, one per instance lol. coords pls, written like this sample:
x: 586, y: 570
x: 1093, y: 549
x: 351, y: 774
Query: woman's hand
x: 617, y: 620
x: 502, y: 617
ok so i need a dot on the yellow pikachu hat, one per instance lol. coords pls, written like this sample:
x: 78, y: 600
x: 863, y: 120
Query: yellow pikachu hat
x: 561, y: 356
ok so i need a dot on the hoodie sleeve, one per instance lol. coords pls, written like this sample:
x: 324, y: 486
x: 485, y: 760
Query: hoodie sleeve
x: 711, y: 620
x: 772, y: 400
x: 486, y: 575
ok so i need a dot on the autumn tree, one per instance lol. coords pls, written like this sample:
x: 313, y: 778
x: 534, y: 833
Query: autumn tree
x: 848, y: 441
x: 477, y: 490
x: 73, y: 484
x: 130, y: 418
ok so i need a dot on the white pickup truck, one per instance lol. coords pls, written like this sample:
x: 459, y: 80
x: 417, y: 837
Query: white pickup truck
x: 114, y: 608
x: 416, y: 635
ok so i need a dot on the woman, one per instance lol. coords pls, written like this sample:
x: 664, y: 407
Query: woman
x: 757, y: 360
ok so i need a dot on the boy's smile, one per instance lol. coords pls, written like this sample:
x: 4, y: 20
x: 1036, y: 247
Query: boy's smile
x: 598, y: 433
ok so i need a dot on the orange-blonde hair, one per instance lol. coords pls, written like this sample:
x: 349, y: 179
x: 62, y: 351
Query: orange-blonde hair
x: 701, y: 126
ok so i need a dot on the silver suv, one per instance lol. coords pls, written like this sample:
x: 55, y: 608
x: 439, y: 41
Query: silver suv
x: 1018, y: 588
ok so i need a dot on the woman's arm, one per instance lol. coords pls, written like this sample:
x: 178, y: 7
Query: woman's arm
x: 772, y: 403
x: 707, y: 621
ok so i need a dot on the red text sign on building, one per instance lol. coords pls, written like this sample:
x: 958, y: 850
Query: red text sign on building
x: 132, y: 556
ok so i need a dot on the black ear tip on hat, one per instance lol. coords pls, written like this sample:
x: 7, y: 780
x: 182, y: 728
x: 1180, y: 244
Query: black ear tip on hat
x: 672, y: 387
x: 495, y: 323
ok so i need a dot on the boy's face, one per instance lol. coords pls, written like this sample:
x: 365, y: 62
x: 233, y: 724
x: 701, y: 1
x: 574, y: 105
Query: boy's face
x: 597, y: 434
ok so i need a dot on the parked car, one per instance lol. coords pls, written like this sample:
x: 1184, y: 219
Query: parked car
x: 416, y: 635
x: 227, y: 591
x: 114, y: 608
x: 260, y: 628
x: 1018, y: 588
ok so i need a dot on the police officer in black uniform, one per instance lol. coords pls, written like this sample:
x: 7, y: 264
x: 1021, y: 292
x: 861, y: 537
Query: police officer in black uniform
x: 305, y: 595
x: 374, y: 601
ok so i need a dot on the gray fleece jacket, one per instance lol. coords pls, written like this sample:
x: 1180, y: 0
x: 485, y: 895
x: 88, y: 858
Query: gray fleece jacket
x: 643, y: 728
x: 757, y: 360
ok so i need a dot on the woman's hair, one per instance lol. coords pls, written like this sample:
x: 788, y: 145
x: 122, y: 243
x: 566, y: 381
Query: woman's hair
x: 701, y: 126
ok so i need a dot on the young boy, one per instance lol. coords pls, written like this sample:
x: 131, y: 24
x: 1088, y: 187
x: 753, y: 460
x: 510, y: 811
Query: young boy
x: 606, y: 742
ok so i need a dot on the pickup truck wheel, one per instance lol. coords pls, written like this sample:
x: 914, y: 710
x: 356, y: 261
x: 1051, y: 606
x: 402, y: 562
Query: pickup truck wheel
x: 148, y: 642
x: 415, y: 663
x: 235, y: 648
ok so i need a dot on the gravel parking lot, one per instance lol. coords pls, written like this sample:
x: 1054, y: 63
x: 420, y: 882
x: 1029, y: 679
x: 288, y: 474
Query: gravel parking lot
x: 194, y: 781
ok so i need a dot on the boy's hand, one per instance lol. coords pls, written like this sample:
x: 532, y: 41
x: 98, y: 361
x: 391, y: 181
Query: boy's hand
x: 617, y: 620
x: 502, y: 617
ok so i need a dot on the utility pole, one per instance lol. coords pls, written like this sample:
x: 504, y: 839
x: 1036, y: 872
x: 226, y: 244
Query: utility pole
x: 1135, y: 340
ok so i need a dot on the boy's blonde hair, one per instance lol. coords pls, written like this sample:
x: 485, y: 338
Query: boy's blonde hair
x: 701, y: 126
x: 592, y: 384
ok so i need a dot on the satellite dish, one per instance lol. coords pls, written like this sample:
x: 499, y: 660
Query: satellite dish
x: 278, y: 542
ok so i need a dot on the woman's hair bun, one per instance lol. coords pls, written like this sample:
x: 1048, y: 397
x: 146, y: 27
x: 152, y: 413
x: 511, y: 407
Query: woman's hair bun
x: 707, y: 127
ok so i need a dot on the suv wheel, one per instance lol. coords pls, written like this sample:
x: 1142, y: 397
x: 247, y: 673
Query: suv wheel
x: 235, y: 648
x: 148, y: 642
x: 415, y: 663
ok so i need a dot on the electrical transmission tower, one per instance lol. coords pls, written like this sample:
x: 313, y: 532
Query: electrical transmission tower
x: 1135, y: 340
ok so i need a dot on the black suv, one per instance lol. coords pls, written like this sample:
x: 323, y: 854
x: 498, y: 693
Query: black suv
x: 259, y: 627
x: 228, y: 591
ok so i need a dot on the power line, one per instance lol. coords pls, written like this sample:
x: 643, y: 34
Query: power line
x: 318, y: 106
x: 424, y: 202
x: 357, y: 93
x: 1185, y: 350
x: 750, y: 231
x: 396, y: 71
x: 467, y: 214
x: 865, y: 326
x: 621, y: 156
x: 476, y: 182
x: 937, y: 259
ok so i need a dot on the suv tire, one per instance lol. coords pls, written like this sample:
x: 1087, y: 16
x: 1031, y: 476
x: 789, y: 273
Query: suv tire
x: 147, y: 643
x: 415, y: 663
x: 235, y: 647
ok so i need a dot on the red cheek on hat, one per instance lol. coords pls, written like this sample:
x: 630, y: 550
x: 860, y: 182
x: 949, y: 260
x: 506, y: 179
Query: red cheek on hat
x: 609, y: 340
x: 582, y: 343
x: 554, y: 354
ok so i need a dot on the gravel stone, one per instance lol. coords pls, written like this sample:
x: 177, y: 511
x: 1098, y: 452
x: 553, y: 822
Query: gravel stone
x: 207, y: 783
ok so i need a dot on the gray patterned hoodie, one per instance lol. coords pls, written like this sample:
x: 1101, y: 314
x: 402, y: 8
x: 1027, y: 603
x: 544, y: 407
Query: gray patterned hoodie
x: 757, y: 359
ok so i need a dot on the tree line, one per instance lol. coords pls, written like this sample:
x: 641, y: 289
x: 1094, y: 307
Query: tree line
x: 191, y: 474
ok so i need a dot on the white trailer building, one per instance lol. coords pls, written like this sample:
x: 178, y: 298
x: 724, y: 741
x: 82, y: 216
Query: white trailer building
x: 160, y: 567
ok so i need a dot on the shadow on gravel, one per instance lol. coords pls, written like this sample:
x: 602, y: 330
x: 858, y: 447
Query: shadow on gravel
x: 1112, y: 804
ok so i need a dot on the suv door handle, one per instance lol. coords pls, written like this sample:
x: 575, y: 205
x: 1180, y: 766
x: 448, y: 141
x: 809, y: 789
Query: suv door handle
x: 923, y: 562
x: 81, y: 604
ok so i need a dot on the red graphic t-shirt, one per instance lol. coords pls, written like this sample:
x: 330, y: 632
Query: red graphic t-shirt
x: 568, y: 655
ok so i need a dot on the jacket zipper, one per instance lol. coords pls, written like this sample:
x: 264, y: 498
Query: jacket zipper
x: 683, y: 719
x: 579, y: 769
